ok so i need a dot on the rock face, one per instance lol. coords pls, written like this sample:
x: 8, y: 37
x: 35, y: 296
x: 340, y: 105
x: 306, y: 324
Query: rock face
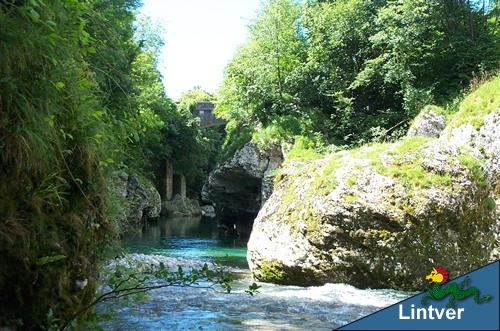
x: 238, y: 187
x: 383, y: 215
x: 429, y: 123
x: 485, y: 142
x: 181, y: 207
x: 208, y: 211
x: 138, y: 199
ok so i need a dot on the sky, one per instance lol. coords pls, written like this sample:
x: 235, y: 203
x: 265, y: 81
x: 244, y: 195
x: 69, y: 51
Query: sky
x: 201, y: 37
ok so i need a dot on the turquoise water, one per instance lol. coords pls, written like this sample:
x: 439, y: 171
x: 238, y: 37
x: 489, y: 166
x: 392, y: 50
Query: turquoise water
x: 189, y: 238
x: 193, y: 241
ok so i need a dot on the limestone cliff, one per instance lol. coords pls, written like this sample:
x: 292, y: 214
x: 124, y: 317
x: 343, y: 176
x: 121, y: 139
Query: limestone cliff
x: 239, y: 186
x: 137, y: 200
x: 380, y: 215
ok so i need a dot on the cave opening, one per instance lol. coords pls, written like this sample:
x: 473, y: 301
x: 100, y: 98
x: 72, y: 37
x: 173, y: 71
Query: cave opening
x: 238, y: 202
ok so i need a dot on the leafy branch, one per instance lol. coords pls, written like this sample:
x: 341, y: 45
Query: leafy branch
x: 125, y: 281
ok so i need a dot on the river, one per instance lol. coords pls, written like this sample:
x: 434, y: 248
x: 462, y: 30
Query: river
x: 192, y: 241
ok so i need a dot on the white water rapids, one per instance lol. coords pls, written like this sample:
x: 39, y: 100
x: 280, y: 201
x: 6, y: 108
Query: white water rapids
x: 276, y: 307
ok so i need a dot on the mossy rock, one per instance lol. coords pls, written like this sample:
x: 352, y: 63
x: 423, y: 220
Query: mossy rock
x: 181, y: 207
x: 134, y: 200
x: 276, y: 272
x: 383, y: 215
x: 418, y: 201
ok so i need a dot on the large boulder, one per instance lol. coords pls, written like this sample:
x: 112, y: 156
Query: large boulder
x: 238, y: 187
x: 137, y: 200
x: 383, y: 215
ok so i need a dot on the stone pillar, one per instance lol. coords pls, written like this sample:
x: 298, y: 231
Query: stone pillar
x: 182, y: 188
x: 169, y: 179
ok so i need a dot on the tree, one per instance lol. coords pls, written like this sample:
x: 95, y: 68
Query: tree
x: 259, y: 87
x: 189, y: 99
x: 338, y: 45
x: 427, y: 51
x: 352, y: 71
x: 257, y: 84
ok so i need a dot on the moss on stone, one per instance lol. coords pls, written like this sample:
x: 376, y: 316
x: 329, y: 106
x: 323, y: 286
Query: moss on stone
x: 474, y: 108
x: 277, y: 272
x: 475, y: 168
x: 405, y: 164
x: 410, y: 145
x: 402, y: 161
x: 350, y: 198
x: 405, y: 156
x: 312, y: 221
x: 436, y: 109
x: 271, y: 271
x: 489, y: 203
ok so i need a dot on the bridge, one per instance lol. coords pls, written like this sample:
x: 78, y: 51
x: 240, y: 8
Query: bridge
x: 204, y: 110
x: 174, y: 181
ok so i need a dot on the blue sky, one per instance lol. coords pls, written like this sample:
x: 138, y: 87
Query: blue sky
x: 201, y: 36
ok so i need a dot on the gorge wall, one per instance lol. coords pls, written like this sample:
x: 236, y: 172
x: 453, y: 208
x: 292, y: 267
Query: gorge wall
x: 238, y: 187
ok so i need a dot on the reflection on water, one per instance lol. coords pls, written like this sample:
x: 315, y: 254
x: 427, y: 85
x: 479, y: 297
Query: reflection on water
x: 184, y: 227
x: 197, y: 237
x: 276, y: 307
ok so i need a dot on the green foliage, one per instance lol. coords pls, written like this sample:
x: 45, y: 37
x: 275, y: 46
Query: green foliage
x: 303, y: 150
x: 339, y: 45
x: 281, y: 129
x: 52, y: 322
x: 148, y: 34
x: 253, y: 289
x: 80, y: 96
x: 489, y: 203
x: 52, y: 132
x: 133, y: 280
x: 49, y: 259
x: 258, y: 82
x: 203, y: 144
x: 188, y: 100
x: 237, y: 135
x: 357, y: 71
x: 474, y: 108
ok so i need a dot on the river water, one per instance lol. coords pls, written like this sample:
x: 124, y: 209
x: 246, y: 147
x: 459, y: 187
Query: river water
x: 191, y: 241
